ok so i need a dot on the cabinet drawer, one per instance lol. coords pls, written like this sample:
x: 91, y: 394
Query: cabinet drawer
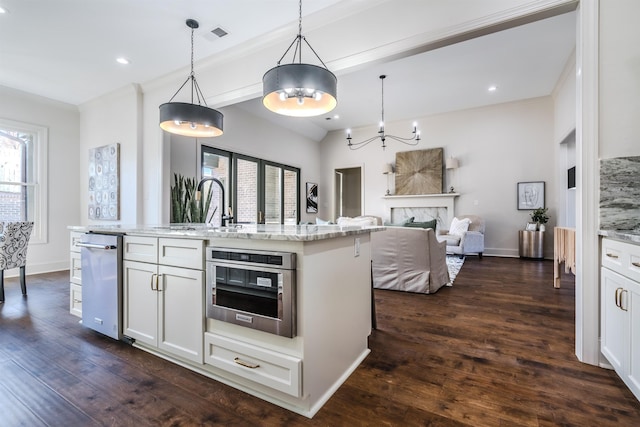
x: 621, y: 257
x: 76, y: 236
x: 275, y: 370
x: 187, y: 253
x: 75, y: 268
x: 75, y: 300
x: 143, y: 249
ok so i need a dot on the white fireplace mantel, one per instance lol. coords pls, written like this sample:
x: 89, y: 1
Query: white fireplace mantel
x: 417, y: 201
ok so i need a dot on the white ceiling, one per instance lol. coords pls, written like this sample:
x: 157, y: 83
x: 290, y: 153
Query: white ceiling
x: 66, y: 50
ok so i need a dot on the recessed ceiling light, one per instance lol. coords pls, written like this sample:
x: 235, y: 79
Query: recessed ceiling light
x: 336, y: 117
x: 492, y: 88
x: 122, y: 60
x: 3, y: 10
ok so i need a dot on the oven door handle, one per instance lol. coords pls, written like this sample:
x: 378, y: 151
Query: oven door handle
x: 95, y: 246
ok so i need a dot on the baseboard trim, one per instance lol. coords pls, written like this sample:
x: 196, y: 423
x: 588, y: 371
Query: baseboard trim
x: 38, y: 269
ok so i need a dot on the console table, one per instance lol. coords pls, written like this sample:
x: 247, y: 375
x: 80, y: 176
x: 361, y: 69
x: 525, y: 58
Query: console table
x: 531, y: 244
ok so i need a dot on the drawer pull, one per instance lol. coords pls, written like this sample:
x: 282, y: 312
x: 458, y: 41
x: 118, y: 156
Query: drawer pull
x: 77, y: 268
x: 245, y: 364
x: 77, y: 300
x: 612, y: 256
x: 618, y: 299
x: 635, y: 264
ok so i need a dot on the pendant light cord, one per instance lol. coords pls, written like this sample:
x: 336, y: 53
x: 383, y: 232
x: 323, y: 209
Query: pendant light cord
x: 195, y: 88
x: 382, y: 121
x: 299, y: 48
x: 192, y: 75
x: 192, y: 52
x: 298, y: 42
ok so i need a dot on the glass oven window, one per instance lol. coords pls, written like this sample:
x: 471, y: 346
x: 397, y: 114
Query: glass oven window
x: 247, y: 290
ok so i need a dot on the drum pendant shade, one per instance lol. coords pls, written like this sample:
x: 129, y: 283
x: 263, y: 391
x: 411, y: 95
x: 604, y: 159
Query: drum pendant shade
x: 299, y: 90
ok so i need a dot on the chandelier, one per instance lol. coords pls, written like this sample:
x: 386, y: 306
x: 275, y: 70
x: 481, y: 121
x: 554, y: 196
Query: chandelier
x: 297, y: 89
x: 189, y: 119
x: 381, y: 132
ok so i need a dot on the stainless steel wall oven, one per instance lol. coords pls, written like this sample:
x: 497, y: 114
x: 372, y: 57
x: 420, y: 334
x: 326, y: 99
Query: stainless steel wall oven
x: 251, y: 288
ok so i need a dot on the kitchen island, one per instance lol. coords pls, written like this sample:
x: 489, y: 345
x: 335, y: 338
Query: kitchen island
x: 164, y: 288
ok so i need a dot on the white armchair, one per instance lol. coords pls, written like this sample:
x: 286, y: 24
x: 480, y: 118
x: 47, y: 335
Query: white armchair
x: 470, y: 241
x: 14, y: 240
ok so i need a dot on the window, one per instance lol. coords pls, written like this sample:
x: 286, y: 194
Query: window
x: 258, y: 191
x: 23, y: 171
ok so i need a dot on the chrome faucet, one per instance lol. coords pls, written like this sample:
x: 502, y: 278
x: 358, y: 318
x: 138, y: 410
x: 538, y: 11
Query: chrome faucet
x: 223, y: 217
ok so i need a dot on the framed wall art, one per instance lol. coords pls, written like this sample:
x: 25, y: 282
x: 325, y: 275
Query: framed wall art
x: 104, y: 182
x: 312, y: 197
x: 419, y: 171
x: 531, y: 226
x: 530, y: 195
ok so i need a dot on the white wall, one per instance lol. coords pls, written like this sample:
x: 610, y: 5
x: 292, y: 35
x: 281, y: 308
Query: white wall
x: 62, y: 121
x: 113, y: 119
x: 564, y: 97
x: 496, y: 146
x: 619, y: 79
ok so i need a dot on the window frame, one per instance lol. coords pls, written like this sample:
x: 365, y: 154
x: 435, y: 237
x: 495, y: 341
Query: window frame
x: 39, y: 160
x: 262, y: 163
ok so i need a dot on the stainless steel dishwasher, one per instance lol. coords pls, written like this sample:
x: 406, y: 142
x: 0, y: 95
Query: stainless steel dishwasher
x: 101, y: 256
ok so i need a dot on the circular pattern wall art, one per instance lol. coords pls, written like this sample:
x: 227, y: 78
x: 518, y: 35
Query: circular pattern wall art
x: 104, y: 182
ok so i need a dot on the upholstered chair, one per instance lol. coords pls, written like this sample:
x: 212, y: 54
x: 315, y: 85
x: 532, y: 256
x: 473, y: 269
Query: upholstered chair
x: 14, y: 240
x: 463, y: 242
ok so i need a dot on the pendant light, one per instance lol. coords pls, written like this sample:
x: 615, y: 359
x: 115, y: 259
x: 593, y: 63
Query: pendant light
x: 297, y: 89
x: 189, y: 119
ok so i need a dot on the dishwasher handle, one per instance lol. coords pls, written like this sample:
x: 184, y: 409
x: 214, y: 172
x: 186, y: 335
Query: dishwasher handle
x: 95, y: 246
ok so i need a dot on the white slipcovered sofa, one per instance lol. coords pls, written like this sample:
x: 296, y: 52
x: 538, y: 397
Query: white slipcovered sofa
x: 408, y: 259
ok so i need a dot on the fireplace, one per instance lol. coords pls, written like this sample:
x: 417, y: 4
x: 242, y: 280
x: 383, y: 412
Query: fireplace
x: 423, y: 207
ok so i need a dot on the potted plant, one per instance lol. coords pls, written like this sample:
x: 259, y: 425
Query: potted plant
x: 184, y: 206
x: 540, y: 217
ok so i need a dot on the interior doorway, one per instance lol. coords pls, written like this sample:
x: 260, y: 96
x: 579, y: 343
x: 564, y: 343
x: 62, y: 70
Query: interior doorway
x: 348, y: 192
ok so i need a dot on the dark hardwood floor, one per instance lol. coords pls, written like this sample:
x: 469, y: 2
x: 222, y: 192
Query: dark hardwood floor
x: 496, y: 349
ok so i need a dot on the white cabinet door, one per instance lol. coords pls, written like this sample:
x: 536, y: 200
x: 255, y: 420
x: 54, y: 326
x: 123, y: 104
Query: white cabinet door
x: 181, y: 312
x: 615, y: 320
x: 140, y: 302
x: 634, y: 356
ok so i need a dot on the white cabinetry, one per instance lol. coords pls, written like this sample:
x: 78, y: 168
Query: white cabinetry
x: 75, y: 275
x: 273, y: 369
x: 620, y: 310
x: 163, y: 305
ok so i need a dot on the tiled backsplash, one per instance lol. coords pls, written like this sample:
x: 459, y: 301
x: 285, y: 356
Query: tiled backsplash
x: 620, y: 193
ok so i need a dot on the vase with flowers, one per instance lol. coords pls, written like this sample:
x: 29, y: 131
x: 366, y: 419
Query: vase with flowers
x: 540, y: 217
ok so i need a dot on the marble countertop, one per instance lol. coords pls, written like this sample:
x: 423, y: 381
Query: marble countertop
x: 631, y: 236
x: 233, y: 231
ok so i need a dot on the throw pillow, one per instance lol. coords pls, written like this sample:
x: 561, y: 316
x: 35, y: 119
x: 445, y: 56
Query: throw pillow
x: 426, y: 224
x: 398, y: 224
x: 459, y: 226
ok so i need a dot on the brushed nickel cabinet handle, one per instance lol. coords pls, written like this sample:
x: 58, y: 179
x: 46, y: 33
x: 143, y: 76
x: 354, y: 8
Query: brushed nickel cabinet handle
x: 612, y: 256
x: 618, y: 291
x: 77, y: 300
x: 246, y: 364
x: 621, y: 307
x: 77, y: 268
x: 635, y: 264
